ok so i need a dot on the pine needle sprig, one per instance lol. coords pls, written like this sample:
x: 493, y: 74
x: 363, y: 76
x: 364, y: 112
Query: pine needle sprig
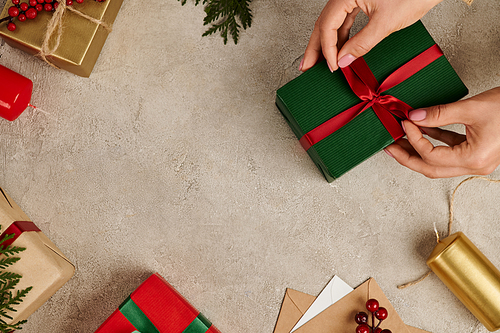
x: 223, y: 16
x: 8, y: 282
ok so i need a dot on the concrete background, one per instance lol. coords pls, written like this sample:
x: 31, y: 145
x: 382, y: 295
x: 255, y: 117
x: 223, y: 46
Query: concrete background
x: 173, y: 158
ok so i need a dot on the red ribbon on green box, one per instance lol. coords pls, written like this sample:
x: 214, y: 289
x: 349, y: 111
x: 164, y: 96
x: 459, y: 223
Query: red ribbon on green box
x: 156, y: 307
x: 364, y: 84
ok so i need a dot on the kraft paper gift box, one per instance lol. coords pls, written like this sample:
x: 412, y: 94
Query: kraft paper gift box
x: 81, y: 41
x: 42, y: 264
x: 339, y: 317
x: 310, y: 102
x: 156, y: 307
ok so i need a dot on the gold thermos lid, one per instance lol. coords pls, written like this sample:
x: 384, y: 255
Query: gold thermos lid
x: 470, y: 276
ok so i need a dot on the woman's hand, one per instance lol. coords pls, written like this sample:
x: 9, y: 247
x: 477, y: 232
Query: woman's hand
x: 331, y: 31
x: 475, y: 153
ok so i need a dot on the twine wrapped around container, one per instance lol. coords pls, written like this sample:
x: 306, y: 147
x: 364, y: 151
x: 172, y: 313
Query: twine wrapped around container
x: 466, y: 271
x: 55, y: 26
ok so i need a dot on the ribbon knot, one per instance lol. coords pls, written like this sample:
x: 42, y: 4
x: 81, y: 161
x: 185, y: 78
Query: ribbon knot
x: 364, y: 84
x: 55, y: 27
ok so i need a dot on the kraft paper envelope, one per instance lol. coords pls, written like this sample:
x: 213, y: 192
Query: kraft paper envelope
x: 334, y: 290
x: 338, y: 318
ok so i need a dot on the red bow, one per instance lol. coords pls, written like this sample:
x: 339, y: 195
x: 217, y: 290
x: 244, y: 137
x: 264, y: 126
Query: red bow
x: 366, y: 87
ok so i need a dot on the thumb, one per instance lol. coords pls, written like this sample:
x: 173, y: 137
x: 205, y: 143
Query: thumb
x: 363, y: 41
x: 440, y: 115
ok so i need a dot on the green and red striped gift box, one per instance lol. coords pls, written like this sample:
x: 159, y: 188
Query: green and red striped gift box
x: 156, y: 307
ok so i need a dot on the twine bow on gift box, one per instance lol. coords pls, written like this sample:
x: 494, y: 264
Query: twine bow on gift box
x: 364, y: 84
x: 55, y: 26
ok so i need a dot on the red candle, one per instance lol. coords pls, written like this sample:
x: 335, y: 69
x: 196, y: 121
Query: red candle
x: 15, y: 93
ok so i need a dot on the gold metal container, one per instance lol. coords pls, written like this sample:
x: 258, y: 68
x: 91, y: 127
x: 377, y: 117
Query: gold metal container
x: 470, y: 276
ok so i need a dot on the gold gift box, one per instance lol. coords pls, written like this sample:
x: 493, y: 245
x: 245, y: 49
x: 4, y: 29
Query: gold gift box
x: 81, y: 40
x: 42, y: 264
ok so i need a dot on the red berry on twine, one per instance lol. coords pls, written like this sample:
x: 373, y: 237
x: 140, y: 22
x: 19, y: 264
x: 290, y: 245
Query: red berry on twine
x: 372, y: 305
x: 363, y: 328
x: 378, y: 312
x: 361, y: 318
x: 381, y: 313
x: 13, y: 11
x: 11, y: 26
x: 30, y: 9
x: 31, y: 13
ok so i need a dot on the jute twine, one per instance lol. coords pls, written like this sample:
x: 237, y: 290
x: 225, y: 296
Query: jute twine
x: 450, y: 223
x: 55, y: 26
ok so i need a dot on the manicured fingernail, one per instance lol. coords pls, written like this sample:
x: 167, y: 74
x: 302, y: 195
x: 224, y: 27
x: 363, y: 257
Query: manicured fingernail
x: 329, y: 67
x: 301, y: 64
x: 417, y: 115
x: 388, y: 153
x: 346, y: 60
x: 403, y: 126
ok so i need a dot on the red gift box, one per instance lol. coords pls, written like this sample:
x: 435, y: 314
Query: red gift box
x: 156, y: 307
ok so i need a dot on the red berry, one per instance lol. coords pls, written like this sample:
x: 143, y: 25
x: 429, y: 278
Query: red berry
x: 13, y: 11
x: 372, y: 305
x: 33, y: 3
x: 15, y: 2
x: 363, y: 328
x: 24, y: 6
x: 56, y: 4
x: 21, y: 17
x: 381, y: 313
x: 31, y: 13
x: 79, y: 1
x: 11, y: 26
x: 386, y: 331
x: 40, y: 1
x: 361, y: 318
x: 378, y: 330
x: 48, y: 1
x: 47, y: 7
x: 39, y: 7
x: 69, y: 2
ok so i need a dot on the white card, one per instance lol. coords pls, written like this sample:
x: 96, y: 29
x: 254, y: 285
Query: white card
x: 334, y: 291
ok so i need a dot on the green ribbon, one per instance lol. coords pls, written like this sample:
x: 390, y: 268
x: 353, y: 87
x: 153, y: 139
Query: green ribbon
x: 142, y: 323
x: 136, y: 317
x: 200, y: 324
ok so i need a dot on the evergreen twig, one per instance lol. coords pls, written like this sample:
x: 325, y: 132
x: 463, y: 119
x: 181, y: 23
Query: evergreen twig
x: 223, y: 16
x: 8, y: 282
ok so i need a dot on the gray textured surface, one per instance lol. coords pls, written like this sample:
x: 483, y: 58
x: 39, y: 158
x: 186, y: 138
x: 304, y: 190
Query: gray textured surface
x: 172, y: 157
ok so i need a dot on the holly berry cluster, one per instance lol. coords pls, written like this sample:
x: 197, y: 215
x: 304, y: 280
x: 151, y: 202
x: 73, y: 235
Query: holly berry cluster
x: 378, y: 312
x: 30, y: 9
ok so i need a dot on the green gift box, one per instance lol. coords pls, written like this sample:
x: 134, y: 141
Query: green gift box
x: 316, y: 96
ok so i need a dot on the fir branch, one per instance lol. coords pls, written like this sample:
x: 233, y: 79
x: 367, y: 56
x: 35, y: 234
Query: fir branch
x: 8, y: 261
x: 11, y: 250
x: 8, y: 282
x: 223, y: 16
x: 5, y: 276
